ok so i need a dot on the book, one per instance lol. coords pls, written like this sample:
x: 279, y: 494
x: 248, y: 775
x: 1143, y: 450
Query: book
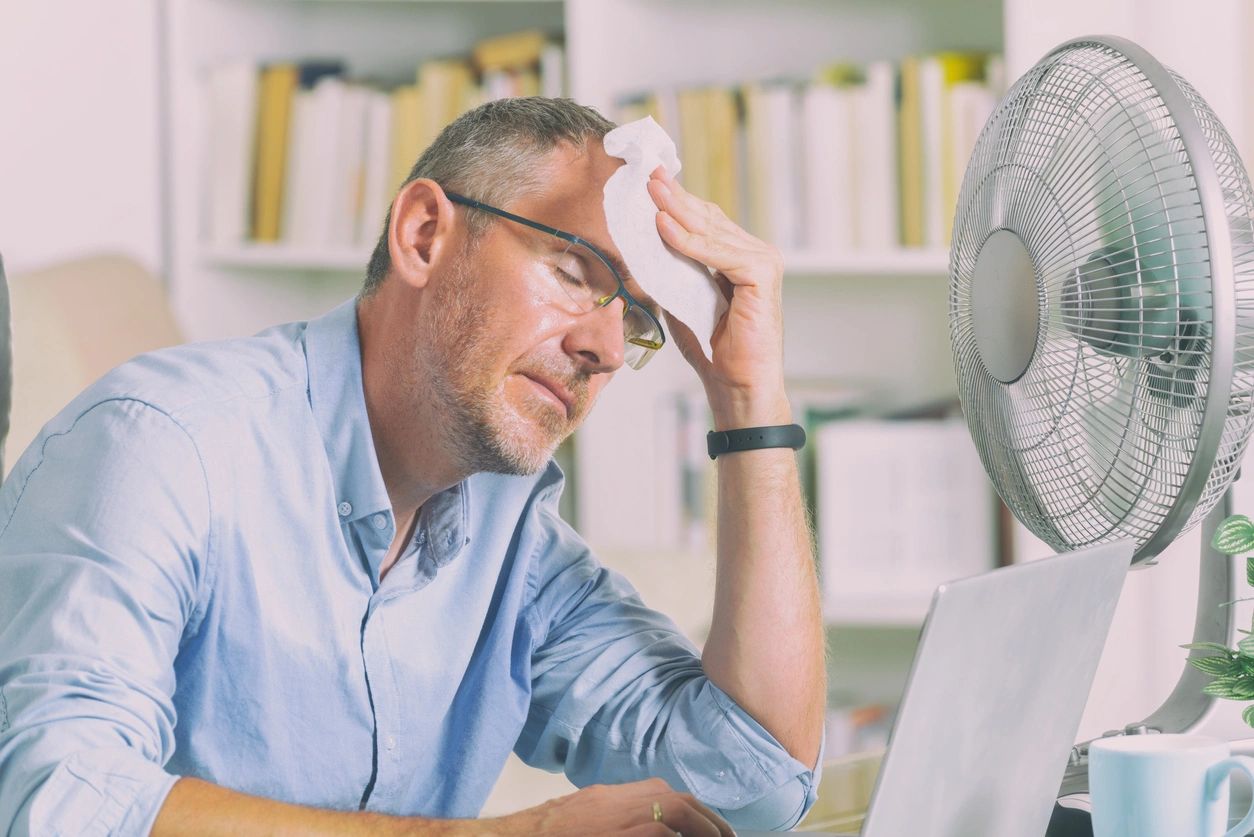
x: 312, y: 199
x: 963, y: 100
x: 910, y: 155
x: 376, y: 190
x: 773, y: 149
x: 232, y: 97
x: 277, y: 89
x: 829, y: 162
x: 347, y: 169
x: 407, y: 143
x: 875, y: 140
x: 931, y: 145
x: 695, y: 173
x: 553, y: 71
x: 514, y: 51
x: 902, y: 506
x: 447, y: 90
x: 723, y: 149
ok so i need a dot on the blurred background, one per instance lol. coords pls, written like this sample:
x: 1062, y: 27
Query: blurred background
x: 177, y: 170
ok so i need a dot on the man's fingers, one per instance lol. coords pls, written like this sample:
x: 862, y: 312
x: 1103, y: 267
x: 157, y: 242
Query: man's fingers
x: 719, y: 252
x: 682, y: 815
x: 724, y: 829
x: 696, y: 215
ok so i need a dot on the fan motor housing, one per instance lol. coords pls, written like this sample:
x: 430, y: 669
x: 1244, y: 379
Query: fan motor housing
x: 1005, y: 301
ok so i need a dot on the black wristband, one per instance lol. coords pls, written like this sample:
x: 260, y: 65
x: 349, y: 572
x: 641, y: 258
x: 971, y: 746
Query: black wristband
x: 755, y: 438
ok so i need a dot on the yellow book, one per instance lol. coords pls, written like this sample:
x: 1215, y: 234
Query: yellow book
x: 695, y: 174
x: 527, y: 83
x: 510, y: 52
x: 406, y: 133
x: 274, y: 113
x: 447, y: 87
x: 910, y: 146
x: 757, y: 154
x: 723, y: 147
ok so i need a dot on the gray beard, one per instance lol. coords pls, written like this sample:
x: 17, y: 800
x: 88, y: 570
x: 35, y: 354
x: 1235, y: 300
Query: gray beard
x: 472, y: 427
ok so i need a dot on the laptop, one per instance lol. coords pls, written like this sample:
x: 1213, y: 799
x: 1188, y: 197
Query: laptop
x: 994, y: 699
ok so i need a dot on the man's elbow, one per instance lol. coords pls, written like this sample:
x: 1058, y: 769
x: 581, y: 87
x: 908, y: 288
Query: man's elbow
x: 779, y: 810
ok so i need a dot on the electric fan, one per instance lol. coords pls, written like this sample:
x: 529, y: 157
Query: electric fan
x: 1102, y: 318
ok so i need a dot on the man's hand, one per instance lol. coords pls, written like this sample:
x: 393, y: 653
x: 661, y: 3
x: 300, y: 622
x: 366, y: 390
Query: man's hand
x: 613, y: 809
x: 744, y: 381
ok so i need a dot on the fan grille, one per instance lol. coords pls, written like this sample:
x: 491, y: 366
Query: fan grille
x: 1085, y: 163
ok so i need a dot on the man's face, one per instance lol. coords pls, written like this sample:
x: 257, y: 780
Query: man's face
x: 515, y: 371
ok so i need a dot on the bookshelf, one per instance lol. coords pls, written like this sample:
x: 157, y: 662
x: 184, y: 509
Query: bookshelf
x: 933, y: 263
x: 869, y: 315
x: 878, y: 317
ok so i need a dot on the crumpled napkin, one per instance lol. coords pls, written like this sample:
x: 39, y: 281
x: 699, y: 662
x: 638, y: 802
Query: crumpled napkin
x: 683, y: 286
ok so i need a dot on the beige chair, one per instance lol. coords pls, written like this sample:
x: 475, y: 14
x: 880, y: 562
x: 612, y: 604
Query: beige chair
x: 73, y: 322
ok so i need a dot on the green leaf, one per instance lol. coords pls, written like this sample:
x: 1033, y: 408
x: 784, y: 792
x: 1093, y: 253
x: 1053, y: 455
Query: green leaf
x: 1214, y: 647
x: 1231, y: 688
x: 1246, y: 664
x: 1246, y: 645
x: 1249, y: 571
x: 1248, y: 715
x: 1222, y: 687
x: 1235, y: 535
x: 1223, y: 666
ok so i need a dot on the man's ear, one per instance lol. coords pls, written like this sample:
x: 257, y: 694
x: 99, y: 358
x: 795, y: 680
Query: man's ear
x: 421, y: 231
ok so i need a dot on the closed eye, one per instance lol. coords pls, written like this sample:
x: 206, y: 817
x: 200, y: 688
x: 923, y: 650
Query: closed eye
x: 569, y: 279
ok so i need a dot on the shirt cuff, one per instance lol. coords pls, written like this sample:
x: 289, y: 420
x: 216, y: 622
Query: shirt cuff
x: 111, y: 791
x: 740, y: 769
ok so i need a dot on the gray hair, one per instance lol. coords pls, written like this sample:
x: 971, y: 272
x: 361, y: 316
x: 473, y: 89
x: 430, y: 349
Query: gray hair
x: 491, y: 154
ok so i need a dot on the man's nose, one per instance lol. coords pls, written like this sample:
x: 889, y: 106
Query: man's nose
x: 596, y: 338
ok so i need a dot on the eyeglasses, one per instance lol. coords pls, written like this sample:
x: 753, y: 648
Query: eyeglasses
x: 589, y: 281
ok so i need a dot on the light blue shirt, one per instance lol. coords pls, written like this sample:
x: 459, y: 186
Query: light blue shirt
x: 189, y: 586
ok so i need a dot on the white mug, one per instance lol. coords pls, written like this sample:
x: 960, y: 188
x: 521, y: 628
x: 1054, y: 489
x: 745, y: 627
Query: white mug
x: 1164, y: 786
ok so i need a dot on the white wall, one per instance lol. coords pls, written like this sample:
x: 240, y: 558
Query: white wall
x: 78, y: 130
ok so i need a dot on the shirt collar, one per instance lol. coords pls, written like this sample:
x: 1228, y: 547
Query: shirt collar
x: 338, y: 401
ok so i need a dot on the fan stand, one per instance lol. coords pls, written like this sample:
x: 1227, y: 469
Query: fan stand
x: 1187, y: 708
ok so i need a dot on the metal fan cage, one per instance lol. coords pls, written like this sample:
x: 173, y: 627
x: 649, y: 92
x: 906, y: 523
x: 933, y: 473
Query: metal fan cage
x: 1133, y: 406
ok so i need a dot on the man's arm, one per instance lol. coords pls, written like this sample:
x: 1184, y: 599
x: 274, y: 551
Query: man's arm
x: 765, y: 648
x: 206, y: 810
x: 103, y: 551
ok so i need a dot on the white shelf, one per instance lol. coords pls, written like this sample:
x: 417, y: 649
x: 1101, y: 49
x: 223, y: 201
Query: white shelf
x: 280, y: 257
x: 900, y: 262
x: 881, y: 610
x: 929, y: 262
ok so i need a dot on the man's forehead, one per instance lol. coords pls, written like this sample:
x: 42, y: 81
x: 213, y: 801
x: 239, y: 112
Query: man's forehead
x: 572, y: 198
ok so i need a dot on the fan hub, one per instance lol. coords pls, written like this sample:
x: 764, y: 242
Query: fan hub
x: 1005, y: 306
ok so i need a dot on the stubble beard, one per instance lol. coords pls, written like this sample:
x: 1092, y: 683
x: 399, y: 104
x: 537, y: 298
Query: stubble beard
x: 481, y: 427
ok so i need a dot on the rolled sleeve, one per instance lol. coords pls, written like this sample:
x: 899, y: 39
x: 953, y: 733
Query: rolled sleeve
x: 103, y: 532
x: 619, y: 695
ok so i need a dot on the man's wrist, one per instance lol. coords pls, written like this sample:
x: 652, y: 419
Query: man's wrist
x: 736, y: 410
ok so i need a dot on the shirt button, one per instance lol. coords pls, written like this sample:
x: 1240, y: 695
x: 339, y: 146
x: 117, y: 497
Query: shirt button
x: 390, y: 743
x: 380, y: 520
x: 722, y: 774
x: 345, y: 509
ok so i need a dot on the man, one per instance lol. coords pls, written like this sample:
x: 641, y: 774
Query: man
x: 314, y: 581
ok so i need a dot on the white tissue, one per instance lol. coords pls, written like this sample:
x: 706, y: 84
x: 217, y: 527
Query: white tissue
x: 683, y: 286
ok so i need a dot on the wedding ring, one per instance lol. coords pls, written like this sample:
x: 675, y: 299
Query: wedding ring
x: 657, y: 812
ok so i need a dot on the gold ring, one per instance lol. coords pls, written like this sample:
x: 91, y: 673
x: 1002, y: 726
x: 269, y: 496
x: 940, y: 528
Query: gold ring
x: 657, y: 812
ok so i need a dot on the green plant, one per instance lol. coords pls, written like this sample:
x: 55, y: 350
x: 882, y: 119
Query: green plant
x: 1232, y: 669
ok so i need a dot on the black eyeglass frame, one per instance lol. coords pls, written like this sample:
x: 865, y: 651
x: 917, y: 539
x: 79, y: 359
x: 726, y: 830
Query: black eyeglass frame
x: 628, y: 300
